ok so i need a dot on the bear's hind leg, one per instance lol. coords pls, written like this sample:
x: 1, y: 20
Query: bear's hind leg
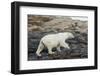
x: 40, y: 48
x: 58, y: 49
x: 50, y: 50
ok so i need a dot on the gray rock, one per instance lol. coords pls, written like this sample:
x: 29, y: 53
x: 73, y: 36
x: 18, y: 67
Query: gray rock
x: 78, y: 47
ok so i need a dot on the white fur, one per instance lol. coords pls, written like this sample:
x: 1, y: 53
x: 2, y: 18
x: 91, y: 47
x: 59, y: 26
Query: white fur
x: 54, y: 40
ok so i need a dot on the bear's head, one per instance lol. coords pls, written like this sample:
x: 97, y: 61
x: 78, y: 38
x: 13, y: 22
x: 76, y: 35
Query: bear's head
x: 69, y: 35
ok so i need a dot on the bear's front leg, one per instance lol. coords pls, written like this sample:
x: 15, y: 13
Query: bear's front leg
x: 65, y: 45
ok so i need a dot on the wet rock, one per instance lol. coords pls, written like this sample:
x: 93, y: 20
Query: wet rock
x: 75, y: 55
x: 78, y: 47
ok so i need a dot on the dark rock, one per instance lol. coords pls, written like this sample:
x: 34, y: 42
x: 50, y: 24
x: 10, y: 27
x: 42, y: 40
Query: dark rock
x: 75, y: 55
x: 78, y: 47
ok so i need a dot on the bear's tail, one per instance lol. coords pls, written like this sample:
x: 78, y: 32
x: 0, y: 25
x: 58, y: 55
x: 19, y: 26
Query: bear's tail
x: 40, y: 48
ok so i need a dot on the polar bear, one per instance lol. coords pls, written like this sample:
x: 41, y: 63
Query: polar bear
x: 54, y: 40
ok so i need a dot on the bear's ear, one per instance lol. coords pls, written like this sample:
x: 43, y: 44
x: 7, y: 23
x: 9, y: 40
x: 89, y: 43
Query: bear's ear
x: 71, y: 35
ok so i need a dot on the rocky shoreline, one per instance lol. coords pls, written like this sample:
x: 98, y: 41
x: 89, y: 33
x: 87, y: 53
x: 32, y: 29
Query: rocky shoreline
x: 39, y: 26
x: 78, y: 47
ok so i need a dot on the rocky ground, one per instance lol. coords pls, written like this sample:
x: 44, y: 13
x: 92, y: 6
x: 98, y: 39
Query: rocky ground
x: 39, y: 26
